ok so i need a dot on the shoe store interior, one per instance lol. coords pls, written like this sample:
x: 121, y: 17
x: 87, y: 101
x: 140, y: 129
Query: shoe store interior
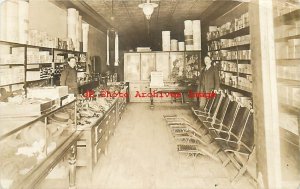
x: 149, y: 94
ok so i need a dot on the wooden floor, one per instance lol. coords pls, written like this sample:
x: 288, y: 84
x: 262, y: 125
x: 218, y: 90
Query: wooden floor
x: 143, y: 155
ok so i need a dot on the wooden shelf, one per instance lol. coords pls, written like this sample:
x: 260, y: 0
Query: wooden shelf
x: 237, y: 60
x: 287, y: 18
x: 40, y: 47
x: 39, y: 79
x: 236, y: 47
x: 11, y: 64
x: 287, y: 62
x: 68, y: 51
x: 288, y: 81
x: 288, y: 59
x: 214, y: 50
x: 245, y: 73
x: 240, y: 32
x: 284, y: 39
x: 16, y: 44
x: 229, y: 71
x: 289, y: 108
x: 39, y: 63
x: 11, y: 84
x: 238, y: 88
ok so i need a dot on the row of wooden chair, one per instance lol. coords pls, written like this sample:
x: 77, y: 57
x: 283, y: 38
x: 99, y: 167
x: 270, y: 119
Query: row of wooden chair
x: 189, y: 139
x: 230, y: 125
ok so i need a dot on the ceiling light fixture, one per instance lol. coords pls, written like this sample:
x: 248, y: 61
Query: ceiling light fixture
x: 148, y: 8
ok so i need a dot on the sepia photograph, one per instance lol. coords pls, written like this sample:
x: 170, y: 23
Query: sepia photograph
x: 149, y: 94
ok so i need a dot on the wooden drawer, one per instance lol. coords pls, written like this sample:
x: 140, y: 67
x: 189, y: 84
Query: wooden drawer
x: 100, y: 130
x: 99, y: 148
x: 112, y: 127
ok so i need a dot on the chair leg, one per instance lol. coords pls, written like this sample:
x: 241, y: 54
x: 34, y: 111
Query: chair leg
x: 225, y: 163
x: 239, y: 174
x: 235, y: 163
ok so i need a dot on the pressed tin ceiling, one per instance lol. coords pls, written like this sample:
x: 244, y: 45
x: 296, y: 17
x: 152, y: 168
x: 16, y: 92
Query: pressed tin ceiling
x: 134, y: 29
x: 130, y: 21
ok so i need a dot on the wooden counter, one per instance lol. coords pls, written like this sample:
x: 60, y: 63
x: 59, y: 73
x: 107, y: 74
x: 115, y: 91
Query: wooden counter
x: 95, y: 136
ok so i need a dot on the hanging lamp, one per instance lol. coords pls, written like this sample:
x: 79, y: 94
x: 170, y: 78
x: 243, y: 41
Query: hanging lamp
x: 148, y: 8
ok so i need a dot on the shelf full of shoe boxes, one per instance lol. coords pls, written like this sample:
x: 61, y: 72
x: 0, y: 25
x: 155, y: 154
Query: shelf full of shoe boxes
x: 230, y: 44
x: 12, y: 69
x: 287, y: 45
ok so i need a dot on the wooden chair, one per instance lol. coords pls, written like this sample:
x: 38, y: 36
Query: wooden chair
x: 228, y: 120
x: 241, y: 150
x: 214, y: 109
x: 206, y: 109
x: 196, y: 150
x: 237, y: 128
x: 220, y: 114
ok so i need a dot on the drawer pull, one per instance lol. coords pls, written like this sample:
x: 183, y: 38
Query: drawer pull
x: 100, y: 131
x: 99, y: 150
x: 106, y: 122
x: 109, y: 117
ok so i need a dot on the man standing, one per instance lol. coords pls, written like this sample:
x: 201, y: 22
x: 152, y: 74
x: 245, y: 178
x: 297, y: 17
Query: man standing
x: 69, y: 76
x: 209, y: 79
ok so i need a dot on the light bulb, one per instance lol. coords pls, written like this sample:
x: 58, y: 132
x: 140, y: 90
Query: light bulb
x: 148, y: 10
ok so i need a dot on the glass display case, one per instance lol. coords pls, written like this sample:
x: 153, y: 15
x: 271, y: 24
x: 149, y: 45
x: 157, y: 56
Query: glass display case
x: 287, y: 46
x: 30, y: 149
x: 162, y: 64
x: 147, y: 65
x: 132, y: 66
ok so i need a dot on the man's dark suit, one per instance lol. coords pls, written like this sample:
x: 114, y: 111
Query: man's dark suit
x: 209, y: 79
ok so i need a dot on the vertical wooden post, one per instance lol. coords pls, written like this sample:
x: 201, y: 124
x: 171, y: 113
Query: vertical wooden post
x: 72, y: 164
x: 265, y: 94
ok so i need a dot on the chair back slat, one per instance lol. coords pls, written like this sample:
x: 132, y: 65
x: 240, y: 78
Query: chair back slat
x: 223, y: 107
x: 240, y: 121
x: 230, y: 114
x: 248, y: 133
x: 209, y: 104
x: 216, y: 104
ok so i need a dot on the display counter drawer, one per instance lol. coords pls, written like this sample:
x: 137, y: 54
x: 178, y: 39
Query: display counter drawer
x: 100, y: 148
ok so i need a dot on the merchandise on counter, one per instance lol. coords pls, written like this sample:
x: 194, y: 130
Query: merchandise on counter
x: 25, y: 107
x: 143, y: 49
x: 47, y: 92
